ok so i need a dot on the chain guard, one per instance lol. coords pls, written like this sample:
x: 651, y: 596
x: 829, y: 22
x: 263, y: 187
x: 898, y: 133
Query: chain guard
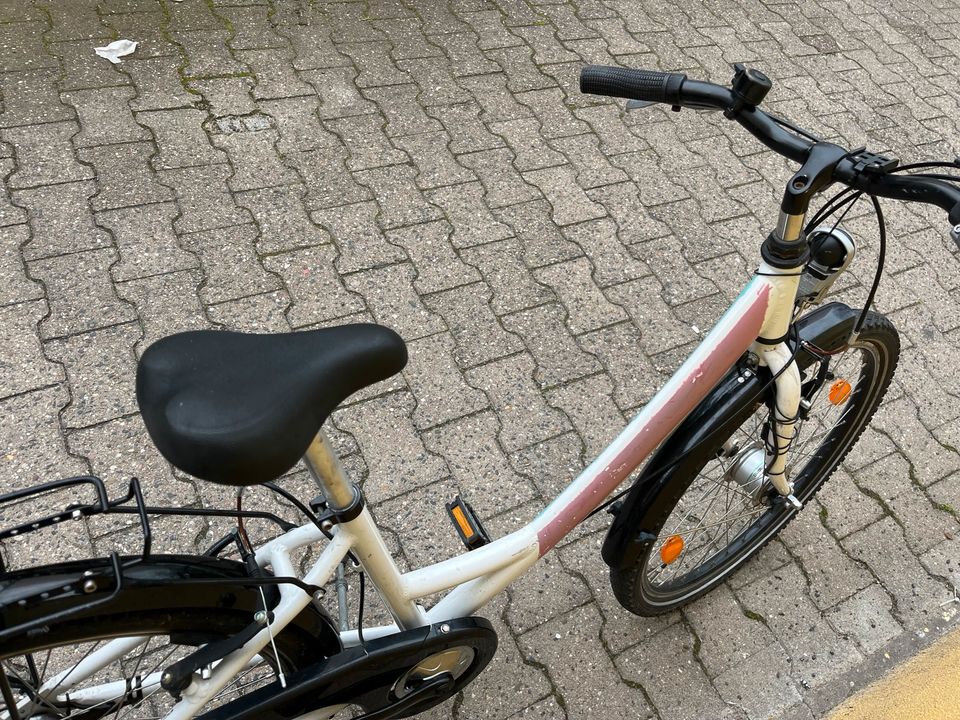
x: 367, y: 675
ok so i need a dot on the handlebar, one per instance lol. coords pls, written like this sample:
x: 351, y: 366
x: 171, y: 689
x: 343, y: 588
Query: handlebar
x: 740, y: 103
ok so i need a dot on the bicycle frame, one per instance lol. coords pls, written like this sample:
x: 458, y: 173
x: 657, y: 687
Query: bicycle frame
x: 758, y: 320
x: 763, y: 310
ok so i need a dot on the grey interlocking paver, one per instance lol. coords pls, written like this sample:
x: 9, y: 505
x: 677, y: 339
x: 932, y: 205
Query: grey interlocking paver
x: 124, y: 177
x: 316, y: 292
x: 60, y: 219
x: 259, y: 165
x: 146, y: 241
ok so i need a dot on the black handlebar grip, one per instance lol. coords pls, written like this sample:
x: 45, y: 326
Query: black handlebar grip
x: 647, y: 85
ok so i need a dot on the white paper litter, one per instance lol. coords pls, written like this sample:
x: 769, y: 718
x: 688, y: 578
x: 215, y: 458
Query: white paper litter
x: 116, y: 50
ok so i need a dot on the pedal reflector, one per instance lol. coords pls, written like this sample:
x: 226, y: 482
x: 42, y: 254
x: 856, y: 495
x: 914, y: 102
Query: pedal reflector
x: 465, y: 521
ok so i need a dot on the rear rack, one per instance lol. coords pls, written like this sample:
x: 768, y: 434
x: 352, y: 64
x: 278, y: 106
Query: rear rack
x: 131, y: 503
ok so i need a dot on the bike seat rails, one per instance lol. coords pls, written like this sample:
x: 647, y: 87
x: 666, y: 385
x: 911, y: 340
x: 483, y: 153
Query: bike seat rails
x: 728, y: 451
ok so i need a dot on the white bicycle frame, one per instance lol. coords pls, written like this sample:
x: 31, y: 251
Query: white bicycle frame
x: 763, y: 310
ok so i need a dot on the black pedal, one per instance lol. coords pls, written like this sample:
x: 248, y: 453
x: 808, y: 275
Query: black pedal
x: 468, y: 526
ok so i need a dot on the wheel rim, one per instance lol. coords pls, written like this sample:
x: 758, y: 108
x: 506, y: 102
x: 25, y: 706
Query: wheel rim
x: 56, y: 682
x: 717, y: 518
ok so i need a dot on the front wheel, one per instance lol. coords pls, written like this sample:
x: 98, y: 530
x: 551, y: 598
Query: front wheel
x: 107, y: 661
x: 716, y: 510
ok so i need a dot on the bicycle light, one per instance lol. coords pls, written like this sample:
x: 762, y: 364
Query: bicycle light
x: 831, y: 252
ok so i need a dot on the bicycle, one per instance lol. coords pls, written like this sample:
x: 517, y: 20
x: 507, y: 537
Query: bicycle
x: 782, y: 382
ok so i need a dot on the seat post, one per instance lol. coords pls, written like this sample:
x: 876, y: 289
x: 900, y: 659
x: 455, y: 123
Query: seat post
x: 324, y: 465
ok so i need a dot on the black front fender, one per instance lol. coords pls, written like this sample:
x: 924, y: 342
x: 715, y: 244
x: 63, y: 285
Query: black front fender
x: 727, y: 406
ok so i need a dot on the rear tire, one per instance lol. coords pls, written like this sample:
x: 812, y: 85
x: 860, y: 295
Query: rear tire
x: 163, y: 600
x: 688, y: 503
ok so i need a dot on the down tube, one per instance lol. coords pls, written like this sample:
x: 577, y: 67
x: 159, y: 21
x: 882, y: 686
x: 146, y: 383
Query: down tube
x: 731, y: 336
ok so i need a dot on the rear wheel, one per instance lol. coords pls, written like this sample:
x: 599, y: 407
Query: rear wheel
x: 108, y: 662
x: 717, y: 511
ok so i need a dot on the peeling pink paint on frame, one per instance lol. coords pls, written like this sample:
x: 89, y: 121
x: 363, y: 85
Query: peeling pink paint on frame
x: 693, y: 389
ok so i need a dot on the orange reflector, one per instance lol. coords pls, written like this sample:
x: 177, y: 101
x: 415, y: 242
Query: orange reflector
x: 671, y: 549
x: 839, y: 392
x: 461, y: 520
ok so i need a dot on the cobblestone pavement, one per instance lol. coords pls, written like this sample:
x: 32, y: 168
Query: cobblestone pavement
x: 430, y: 165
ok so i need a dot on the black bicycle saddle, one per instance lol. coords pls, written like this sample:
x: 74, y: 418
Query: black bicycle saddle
x: 240, y: 408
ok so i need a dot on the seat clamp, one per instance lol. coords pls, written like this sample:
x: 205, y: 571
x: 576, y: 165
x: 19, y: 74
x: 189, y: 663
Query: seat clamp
x: 325, y: 513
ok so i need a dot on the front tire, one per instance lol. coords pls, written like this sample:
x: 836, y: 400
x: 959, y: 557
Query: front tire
x: 707, y: 520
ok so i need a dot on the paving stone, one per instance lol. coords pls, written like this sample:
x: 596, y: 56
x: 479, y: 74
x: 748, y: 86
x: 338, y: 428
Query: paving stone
x: 738, y: 685
x: 60, y: 220
x: 882, y: 547
x: 612, y: 262
x: 924, y: 524
x: 477, y: 331
x: 274, y: 73
x: 437, y: 264
x: 121, y: 449
x: 361, y: 242
x: 26, y: 367
x: 21, y: 45
x: 831, y: 575
x: 503, y: 185
x: 180, y: 139
x: 80, y: 292
x: 542, y: 241
x: 366, y: 142
x: 44, y: 155
x: 589, y: 405
x: 389, y: 293
x: 817, y: 653
x: 607, y: 122
x: 508, y: 682
x: 401, y: 203
x: 100, y: 368
x: 313, y: 284
x: 588, y: 309
x: 165, y: 304
x: 34, y: 448
x: 531, y: 152
x: 158, y: 83
x: 495, y: 98
x: 225, y: 96
x: 866, y: 618
x: 397, y: 459
x: 207, y: 54
x: 228, y: 258
x: 524, y: 417
x: 464, y: 207
x: 643, y: 300
x: 105, y: 116
x: 570, y: 203
x: 399, y: 105
x: 559, y: 359
x: 582, y: 628
x: 124, y: 175
x: 436, y: 166
x: 846, y: 508
x: 145, y: 239
x: 478, y: 465
x: 467, y: 133
x: 327, y: 180
x: 15, y: 286
x: 635, y: 380
x: 254, y: 159
x: 203, y: 197
x: 634, y: 222
x: 438, y: 383
x: 261, y: 313
x: 514, y: 286
x: 544, y: 592
x: 283, y: 221
x: 663, y: 661
x: 31, y: 96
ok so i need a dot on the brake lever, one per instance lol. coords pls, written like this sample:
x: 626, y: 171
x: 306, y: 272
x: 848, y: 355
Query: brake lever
x: 638, y: 104
x: 955, y: 235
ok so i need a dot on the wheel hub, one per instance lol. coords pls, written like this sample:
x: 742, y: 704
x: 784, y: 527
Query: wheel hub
x: 748, y: 470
